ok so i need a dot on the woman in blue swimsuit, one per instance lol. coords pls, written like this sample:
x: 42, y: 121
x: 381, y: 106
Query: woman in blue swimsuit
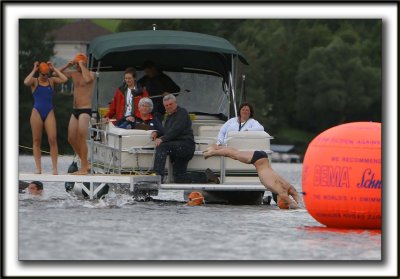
x: 268, y: 177
x: 42, y: 112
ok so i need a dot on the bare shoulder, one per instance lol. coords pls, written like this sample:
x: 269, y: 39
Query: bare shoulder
x: 52, y: 81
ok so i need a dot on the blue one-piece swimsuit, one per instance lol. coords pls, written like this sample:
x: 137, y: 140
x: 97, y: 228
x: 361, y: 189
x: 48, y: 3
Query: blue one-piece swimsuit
x: 43, y: 100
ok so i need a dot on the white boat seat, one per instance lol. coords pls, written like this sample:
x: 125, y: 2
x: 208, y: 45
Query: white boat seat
x: 130, y: 138
x: 210, y: 131
x: 197, y: 125
x: 249, y: 140
x: 207, y: 135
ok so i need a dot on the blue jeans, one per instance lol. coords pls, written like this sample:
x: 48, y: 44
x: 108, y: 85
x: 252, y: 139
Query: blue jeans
x: 180, y: 154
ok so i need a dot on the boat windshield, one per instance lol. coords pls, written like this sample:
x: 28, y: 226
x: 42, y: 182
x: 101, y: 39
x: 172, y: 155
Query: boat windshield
x: 200, y: 93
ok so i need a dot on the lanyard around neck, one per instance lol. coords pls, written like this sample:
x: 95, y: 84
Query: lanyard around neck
x: 240, y: 124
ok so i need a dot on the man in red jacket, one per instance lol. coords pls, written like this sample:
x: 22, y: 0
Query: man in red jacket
x: 126, y: 98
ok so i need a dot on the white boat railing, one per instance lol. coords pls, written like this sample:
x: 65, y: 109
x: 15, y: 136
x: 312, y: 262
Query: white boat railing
x: 145, y: 148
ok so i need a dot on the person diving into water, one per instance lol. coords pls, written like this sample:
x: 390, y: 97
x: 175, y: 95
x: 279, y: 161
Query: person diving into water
x: 268, y: 177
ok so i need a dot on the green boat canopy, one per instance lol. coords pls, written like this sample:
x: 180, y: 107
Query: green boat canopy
x: 170, y: 50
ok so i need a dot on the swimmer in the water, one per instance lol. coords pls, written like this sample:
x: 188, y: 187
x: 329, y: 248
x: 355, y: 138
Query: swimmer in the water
x: 33, y: 188
x: 268, y: 177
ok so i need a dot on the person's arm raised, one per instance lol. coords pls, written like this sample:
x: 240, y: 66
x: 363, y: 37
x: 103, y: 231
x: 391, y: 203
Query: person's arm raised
x: 87, y: 75
x: 29, y: 80
x: 62, y: 69
x: 59, y: 77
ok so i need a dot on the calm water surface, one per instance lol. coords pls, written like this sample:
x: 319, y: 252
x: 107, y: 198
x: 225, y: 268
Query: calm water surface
x: 59, y: 226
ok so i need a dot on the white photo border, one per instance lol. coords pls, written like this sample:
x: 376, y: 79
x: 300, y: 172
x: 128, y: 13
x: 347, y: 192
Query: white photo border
x: 14, y: 11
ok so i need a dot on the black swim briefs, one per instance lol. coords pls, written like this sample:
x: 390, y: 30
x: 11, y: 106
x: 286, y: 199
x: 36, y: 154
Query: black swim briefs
x: 77, y: 112
x: 258, y: 155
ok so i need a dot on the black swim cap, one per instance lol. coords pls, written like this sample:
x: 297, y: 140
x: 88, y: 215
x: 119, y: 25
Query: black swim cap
x: 38, y: 184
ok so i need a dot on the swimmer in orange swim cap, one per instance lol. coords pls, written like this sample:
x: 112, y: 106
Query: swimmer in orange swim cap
x: 282, y: 204
x: 42, y: 116
x: 195, y: 198
x: 84, y: 82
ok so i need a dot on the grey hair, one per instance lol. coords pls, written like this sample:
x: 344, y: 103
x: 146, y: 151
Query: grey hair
x: 146, y: 100
x: 169, y: 97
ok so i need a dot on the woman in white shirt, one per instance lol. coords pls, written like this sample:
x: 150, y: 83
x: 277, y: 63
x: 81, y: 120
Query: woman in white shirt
x: 244, y: 122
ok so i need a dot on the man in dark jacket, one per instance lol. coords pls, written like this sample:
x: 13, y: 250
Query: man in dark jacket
x: 157, y: 85
x: 177, y: 141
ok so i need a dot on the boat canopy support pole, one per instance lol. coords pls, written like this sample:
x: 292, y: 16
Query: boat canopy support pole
x: 232, y: 86
x: 97, y: 88
x: 222, y: 173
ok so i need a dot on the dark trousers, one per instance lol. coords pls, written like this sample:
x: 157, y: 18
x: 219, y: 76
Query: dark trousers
x: 180, y: 153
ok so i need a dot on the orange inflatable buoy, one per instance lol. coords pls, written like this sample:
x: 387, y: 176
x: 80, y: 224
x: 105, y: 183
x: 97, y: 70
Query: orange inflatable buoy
x: 341, y: 177
x: 195, y: 198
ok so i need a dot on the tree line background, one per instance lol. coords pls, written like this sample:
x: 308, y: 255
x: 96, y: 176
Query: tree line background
x: 304, y: 75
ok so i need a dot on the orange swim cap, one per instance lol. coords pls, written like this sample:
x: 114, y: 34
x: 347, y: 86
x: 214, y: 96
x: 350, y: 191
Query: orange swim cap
x: 80, y: 57
x: 282, y: 204
x: 44, y: 68
x: 195, y: 198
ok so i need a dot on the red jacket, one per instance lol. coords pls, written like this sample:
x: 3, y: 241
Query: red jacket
x: 116, y: 108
